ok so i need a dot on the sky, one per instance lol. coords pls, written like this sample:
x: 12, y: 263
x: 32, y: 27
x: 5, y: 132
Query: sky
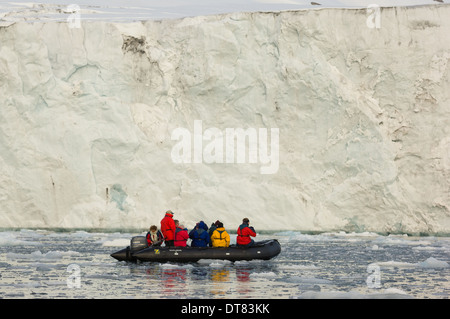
x: 172, y: 9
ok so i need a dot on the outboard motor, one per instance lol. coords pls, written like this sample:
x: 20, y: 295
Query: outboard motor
x: 138, y: 243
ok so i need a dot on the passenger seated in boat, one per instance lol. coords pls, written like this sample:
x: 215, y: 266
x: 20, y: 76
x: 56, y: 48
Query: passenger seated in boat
x: 211, y: 231
x: 220, y: 237
x: 181, y: 235
x: 244, y: 233
x: 199, y: 235
x: 154, y: 236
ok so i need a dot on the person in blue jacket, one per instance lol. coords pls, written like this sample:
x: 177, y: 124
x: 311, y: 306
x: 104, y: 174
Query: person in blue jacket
x: 199, y: 235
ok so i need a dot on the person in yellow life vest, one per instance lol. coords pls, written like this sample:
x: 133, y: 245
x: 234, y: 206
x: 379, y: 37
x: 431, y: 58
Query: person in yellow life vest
x: 220, y: 237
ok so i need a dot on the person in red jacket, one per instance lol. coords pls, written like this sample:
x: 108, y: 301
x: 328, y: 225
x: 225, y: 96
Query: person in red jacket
x: 244, y: 233
x: 168, y: 228
x: 181, y: 235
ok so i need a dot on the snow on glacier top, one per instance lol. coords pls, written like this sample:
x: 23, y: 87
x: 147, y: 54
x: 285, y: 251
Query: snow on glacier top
x: 115, y: 10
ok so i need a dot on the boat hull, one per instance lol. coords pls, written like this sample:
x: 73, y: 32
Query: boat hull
x: 264, y: 250
x: 124, y: 255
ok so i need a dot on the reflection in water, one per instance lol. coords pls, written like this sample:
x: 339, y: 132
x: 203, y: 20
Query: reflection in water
x: 220, y: 279
x: 243, y: 279
x: 243, y: 274
x: 191, y: 280
x: 173, y: 280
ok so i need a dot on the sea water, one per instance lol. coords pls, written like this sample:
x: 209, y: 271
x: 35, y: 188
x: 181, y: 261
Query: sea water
x: 36, y: 264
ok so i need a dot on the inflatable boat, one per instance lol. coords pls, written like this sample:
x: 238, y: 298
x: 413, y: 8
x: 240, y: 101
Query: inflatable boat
x: 138, y: 250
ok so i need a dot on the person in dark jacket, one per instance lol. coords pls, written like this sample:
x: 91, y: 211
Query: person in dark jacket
x: 154, y: 236
x: 244, y: 233
x: 199, y: 235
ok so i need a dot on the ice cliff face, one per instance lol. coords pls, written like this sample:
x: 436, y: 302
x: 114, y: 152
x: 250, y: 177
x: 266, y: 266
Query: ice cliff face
x: 87, y: 116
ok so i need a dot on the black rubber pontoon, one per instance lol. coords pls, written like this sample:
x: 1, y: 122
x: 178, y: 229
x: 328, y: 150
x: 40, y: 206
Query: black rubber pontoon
x: 264, y: 250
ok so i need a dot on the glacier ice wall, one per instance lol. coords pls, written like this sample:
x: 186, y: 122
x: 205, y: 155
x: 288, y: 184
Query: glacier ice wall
x: 86, y: 116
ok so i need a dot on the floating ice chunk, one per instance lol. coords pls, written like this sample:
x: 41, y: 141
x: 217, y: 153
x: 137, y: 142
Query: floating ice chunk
x: 351, y: 234
x: 429, y: 263
x: 433, y: 263
x: 400, y: 240
x: 268, y: 274
x: 175, y: 266
x: 395, y: 291
x: 116, y: 242
x: 82, y: 234
x: 214, y: 262
x: 28, y: 285
x: 241, y: 263
x: 308, y: 280
x: 169, y: 266
x: 217, y: 265
x: 10, y: 239
x: 37, y: 255
x: 45, y: 266
x: 398, y: 264
x: 390, y: 293
x: 56, y: 283
x: 429, y: 248
x: 296, y: 267
x: 60, y: 254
